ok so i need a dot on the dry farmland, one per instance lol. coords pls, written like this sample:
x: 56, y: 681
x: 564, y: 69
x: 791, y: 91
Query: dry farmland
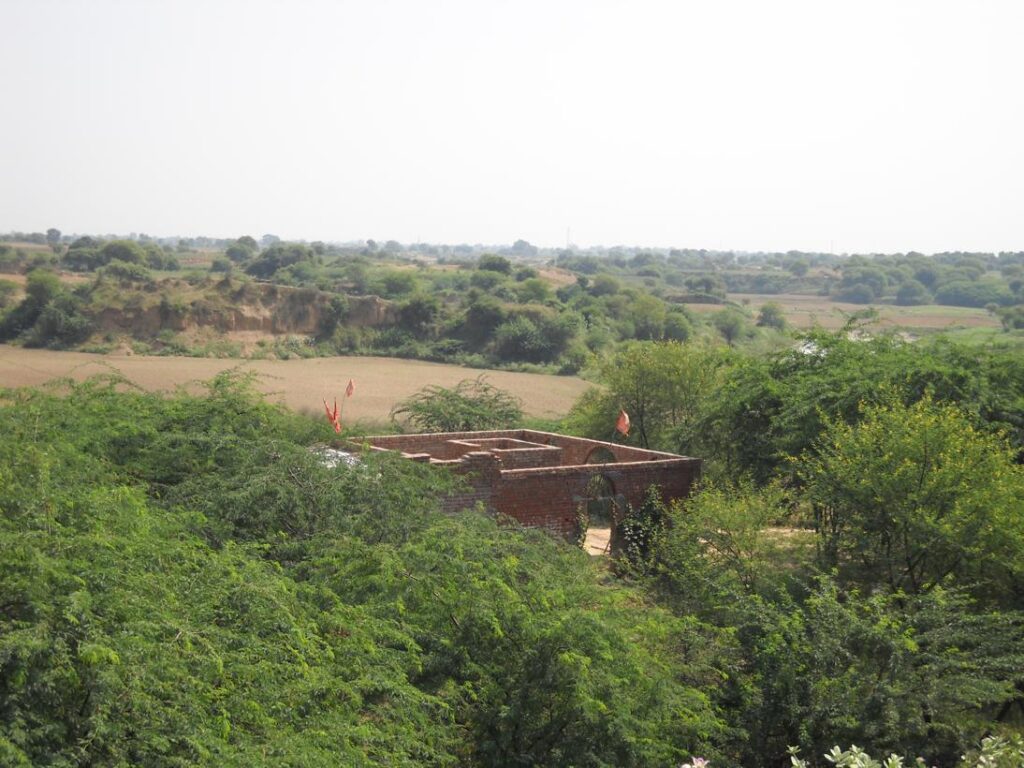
x: 299, y: 384
x: 804, y: 311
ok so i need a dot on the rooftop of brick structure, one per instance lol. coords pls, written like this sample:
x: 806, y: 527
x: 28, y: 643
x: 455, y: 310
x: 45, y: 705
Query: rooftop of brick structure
x: 517, y: 450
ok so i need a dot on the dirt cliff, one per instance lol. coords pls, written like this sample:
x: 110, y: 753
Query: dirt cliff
x: 230, y: 306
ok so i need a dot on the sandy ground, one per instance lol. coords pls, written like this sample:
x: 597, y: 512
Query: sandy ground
x: 596, y: 542
x: 299, y: 384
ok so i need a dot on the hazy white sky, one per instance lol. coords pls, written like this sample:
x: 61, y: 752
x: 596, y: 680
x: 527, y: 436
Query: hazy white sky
x: 859, y: 125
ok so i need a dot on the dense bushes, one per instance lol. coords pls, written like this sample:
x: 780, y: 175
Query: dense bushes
x: 865, y: 569
x: 841, y: 643
x: 48, y: 316
x: 773, y: 408
x: 184, y: 583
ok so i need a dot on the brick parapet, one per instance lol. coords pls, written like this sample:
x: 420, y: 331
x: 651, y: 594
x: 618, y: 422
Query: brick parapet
x: 542, y: 479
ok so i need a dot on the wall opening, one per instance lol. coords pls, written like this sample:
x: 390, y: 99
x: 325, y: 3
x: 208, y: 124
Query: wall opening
x: 601, y: 455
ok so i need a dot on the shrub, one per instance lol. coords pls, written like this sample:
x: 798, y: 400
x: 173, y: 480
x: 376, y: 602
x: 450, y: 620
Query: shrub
x: 473, y: 404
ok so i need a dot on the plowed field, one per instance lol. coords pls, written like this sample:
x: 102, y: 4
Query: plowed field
x: 299, y: 384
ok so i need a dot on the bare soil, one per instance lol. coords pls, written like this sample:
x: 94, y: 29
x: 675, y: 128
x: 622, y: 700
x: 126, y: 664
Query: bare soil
x: 65, y: 277
x: 597, y: 541
x: 557, y: 276
x: 300, y: 384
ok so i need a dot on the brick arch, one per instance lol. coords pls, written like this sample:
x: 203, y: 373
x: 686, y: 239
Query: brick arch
x: 600, y: 454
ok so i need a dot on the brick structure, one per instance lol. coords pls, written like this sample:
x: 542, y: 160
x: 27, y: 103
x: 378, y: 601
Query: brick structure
x: 544, y: 479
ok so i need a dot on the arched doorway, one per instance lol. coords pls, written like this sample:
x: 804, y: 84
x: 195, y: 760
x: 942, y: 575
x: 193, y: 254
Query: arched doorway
x: 601, y: 511
x: 600, y: 455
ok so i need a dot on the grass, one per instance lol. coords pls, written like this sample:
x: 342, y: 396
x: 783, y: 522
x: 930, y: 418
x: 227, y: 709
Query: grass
x: 988, y: 337
x: 807, y: 311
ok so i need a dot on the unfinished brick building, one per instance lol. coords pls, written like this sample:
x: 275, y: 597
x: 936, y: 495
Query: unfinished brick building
x: 543, y: 479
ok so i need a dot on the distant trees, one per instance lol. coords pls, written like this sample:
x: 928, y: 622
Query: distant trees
x: 963, y: 293
x: 494, y: 263
x: 221, y: 264
x: 956, y: 279
x: 523, y: 248
x: 534, y: 290
x: 7, y: 290
x: 126, y: 270
x: 278, y: 256
x: 47, y: 316
x: 732, y: 323
x: 238, y: 253
x: 798, y: 267
x: 396, y: 282
x: 772, y: 315
x: 88, y: 254
x: 711, y: 285
x: 912, y: 293
x: 418, y: 313
x: 604, y: 285
x: 123, y: 250
x: 1012, y: 318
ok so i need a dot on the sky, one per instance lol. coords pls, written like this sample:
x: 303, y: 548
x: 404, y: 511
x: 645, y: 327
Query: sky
x: 817, y: 125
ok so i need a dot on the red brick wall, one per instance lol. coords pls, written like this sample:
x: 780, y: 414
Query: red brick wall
x: 541, y: 487
x: 548, y: 498
x: 522, y: 458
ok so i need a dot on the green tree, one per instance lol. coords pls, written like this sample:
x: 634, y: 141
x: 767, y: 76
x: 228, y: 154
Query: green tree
x: 395, y: 282
x: 661, y: 385
x: 798, y: 267
x: 41, y: 288
x: 278, y: 256
x: 770, y: 410
x: 915, y: 496
x: 648, y: 317
x: 472, y: 404
x: 518, y: 338
x: 678, y: 326
x: 604, y: 285
x: 732, y: 323
x: 127, y: 271
x: 964, y: 293
x: 122, y: 250
x: 8, y: 289
x: 238, y: 253
x: 418, y: 313
x: 534, y: 290
x: 482, y: 317
x: 772, y: 316
x: 912, y: 293
x: 493, y: 263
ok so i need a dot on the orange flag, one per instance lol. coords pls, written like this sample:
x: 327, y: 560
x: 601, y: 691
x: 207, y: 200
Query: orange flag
x: 333, y: 417
x: 622, y: 423
x: 350, y: 389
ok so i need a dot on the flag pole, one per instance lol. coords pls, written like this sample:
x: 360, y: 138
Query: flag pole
x: 349, y: 391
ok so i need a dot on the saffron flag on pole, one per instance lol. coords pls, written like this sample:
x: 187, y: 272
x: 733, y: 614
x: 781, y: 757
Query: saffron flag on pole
x: 332, y: 417
x: 350, y: 389
x: 622, y: 423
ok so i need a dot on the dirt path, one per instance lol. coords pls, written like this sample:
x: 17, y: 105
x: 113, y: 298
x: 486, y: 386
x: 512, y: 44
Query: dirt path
x: 299, y: 384
x: 597, y: 541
